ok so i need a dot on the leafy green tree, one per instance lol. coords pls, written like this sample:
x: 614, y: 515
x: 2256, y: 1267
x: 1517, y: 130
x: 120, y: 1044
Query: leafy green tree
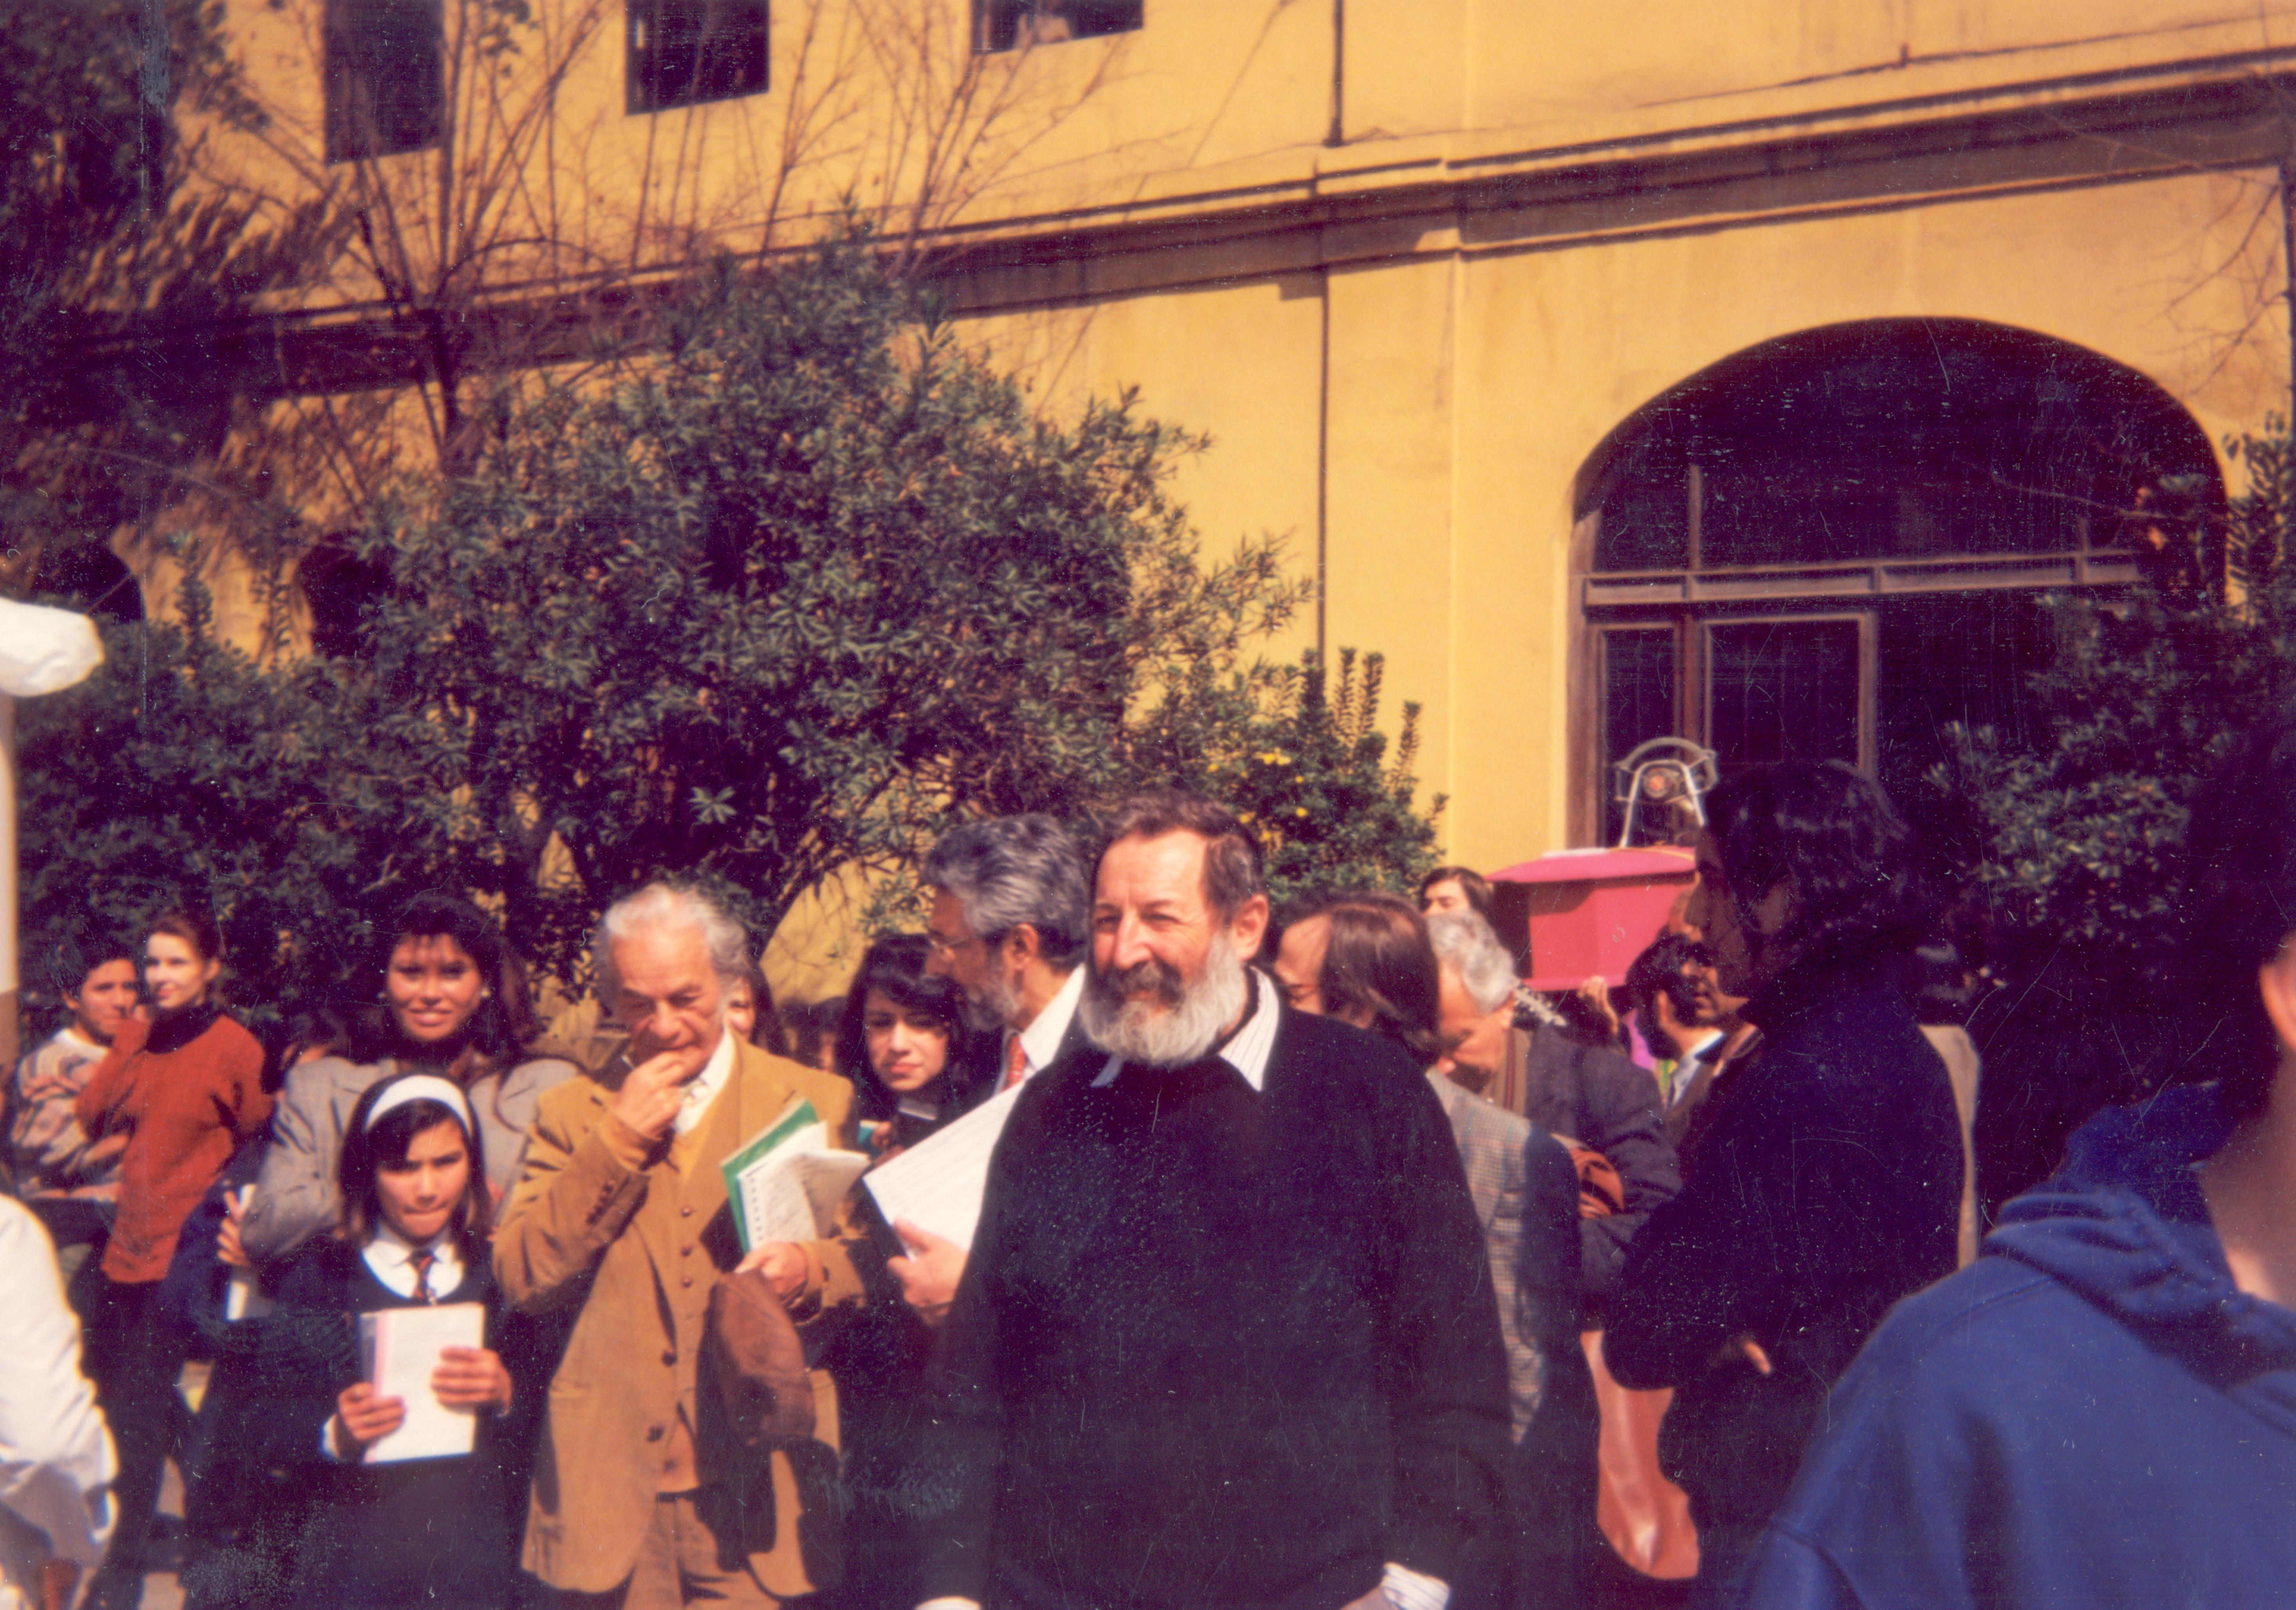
x: 184, y: 773
x: 102, y: 244
x: 1305, y: 765
x: 794, y: 597
x: 810, y: 587
x: 2069, y: 871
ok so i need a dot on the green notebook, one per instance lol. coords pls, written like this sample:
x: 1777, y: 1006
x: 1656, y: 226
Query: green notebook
x: 795, y: 1117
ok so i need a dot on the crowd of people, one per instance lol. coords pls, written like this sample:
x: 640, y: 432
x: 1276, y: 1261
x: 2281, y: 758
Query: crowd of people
x: 1316, y: 1265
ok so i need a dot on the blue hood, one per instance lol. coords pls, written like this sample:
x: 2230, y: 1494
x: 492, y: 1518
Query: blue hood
x: 2124, y: 1224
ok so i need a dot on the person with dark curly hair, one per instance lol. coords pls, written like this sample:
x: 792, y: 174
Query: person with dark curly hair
x: 914, y: 1064
x: 1825, y: 1180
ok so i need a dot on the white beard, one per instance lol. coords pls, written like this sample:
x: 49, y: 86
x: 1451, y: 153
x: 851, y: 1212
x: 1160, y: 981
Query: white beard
x: 1163, y: 1020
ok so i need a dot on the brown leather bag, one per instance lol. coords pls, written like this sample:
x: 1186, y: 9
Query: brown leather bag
x: 1602, y: 1193
x: 751, y: 1350
x: 1645, y: 1517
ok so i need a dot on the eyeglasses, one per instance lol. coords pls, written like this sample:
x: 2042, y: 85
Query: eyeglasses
x: 940, y: 944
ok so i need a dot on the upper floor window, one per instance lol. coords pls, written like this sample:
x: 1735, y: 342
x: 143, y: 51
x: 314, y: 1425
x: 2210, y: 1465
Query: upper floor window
x: 686, y: 51
x: 384, y: 83
x: 1013, y: 24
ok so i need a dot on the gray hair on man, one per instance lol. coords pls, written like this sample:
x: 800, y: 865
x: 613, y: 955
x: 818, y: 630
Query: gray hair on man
x: 1464, y: 944
x: 1011, y: 870
x: 660, y: 905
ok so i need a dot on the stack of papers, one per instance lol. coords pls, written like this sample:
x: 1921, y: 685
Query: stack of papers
x: 398, y: 1348
x: 786, y: 1184
x: 937, y: 1183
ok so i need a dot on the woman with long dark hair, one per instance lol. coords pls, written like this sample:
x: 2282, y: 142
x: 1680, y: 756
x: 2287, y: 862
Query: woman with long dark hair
x: 904, y: 1044
x: 185, y: 1090
x: 1823, y: 1171
x: 915, y: 1068
x: 451, y: 1001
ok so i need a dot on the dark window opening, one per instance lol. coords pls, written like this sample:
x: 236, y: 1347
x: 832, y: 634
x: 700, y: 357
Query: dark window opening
x: 1782, y: 690
x: 89, y: 578
x: 343, y: 592
x: 1000, y: 24
x: 1639, y: 701
x: 683, y: 52
x: 384, y: 77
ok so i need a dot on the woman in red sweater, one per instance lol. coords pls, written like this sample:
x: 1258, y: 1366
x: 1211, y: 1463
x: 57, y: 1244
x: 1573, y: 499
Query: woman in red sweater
x: 185, y: 1090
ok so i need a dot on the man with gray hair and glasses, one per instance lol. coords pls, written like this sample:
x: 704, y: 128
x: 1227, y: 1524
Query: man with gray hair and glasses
x: 1008, y: 926
x: 644, y: 1496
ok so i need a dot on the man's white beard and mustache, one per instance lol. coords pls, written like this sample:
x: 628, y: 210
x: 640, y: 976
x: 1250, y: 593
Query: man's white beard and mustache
x: 1149, y: 1014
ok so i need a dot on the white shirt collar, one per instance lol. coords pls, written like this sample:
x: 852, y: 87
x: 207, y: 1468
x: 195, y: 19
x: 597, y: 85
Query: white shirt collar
x: 1248, y: 1051
x: 390, y: 1254
x: 1040, y: 1041
x: 706, y: 1084
x: 1714, y: 1038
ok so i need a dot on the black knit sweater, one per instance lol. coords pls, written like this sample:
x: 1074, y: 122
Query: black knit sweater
x: 1221, y: 1346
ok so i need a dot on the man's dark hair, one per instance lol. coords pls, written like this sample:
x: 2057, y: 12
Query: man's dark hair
x: 1378, y: 960
x: 1471, y: 884
x: 1013, y: 871
x: 1830, y: 831
x: 80, y: 951
x: 1663, y: 968
x: 1232, y: 872
x: 2239, y: 907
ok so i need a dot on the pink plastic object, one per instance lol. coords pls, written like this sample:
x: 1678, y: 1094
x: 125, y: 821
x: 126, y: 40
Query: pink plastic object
x: 1591, y: 911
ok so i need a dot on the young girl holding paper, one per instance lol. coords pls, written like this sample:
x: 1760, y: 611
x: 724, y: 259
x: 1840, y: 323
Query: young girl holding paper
x: 389, y: 1532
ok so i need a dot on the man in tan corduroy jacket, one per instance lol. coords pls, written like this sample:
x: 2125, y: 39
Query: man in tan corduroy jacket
x: 643, y: 1497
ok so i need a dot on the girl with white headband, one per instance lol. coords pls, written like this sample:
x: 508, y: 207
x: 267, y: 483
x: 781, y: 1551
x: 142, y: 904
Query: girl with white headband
x: 414, y: 1226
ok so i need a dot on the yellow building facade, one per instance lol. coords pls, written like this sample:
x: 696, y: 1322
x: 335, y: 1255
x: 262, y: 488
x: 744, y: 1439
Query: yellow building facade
x: 1463, y: 292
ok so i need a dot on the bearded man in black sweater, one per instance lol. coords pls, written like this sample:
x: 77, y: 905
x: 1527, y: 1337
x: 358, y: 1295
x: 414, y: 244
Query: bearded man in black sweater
x: 1226, y: 1337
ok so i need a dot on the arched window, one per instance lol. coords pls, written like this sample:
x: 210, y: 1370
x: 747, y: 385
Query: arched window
x: 1832, y: 544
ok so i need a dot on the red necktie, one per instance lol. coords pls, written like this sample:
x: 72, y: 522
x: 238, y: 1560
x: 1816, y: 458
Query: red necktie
x: 1016, y: 1062
x: 420, y: 1260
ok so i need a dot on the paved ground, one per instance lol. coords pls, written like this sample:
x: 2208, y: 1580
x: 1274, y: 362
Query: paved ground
x: 161, y: 1592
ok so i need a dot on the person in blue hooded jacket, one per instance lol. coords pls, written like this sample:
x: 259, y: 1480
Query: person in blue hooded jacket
x: 2101, y: 1411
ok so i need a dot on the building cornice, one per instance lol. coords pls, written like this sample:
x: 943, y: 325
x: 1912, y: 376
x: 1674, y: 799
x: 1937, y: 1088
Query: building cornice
x: 1805, y: 152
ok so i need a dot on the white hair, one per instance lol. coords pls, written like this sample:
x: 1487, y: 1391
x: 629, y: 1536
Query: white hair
x: 669, y: 906
x: 1464, y: 944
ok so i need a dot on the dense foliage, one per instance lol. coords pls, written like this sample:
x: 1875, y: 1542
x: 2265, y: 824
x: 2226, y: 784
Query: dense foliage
x: 791, y: 598
x: 184, y: 772
x: 99, y: 233
x: 2071, y: 887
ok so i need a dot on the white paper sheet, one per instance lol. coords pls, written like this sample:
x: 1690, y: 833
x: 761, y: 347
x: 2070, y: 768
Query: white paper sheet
x: 791, y: 1193
x: 936, y: 1185
x: 399, y: 1347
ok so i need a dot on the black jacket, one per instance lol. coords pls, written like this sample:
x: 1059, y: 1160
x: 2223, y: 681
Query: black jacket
x: 1216, y: 1345
x: 1828, y: 1187
x: 1600, y: 1099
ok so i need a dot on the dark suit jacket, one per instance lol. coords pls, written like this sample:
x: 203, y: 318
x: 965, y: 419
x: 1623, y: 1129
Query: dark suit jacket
x: 1602, y: 1100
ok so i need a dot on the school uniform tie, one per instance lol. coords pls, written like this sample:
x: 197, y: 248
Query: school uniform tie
x: 420, y: 1260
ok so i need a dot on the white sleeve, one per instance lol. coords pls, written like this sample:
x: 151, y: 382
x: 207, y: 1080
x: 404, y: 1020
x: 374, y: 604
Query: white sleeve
x: 56, y: 1464
x: 1410, y: 1589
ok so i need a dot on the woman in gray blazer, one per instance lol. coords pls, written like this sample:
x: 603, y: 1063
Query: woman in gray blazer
x: 452, y: 1000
